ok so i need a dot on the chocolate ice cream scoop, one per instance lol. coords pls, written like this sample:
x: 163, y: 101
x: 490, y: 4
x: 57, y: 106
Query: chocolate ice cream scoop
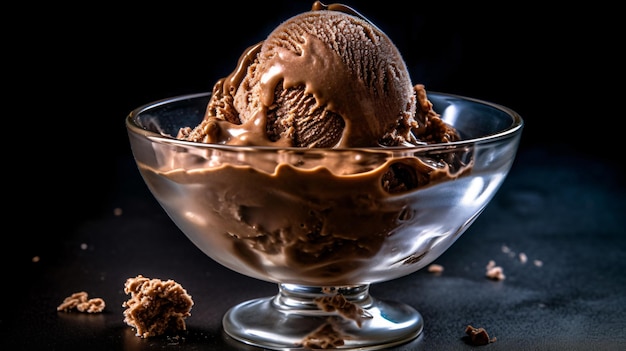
x: 324, y: 78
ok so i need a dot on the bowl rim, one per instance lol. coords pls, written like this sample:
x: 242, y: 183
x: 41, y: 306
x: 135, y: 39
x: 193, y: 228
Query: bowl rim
x: 514, y: 129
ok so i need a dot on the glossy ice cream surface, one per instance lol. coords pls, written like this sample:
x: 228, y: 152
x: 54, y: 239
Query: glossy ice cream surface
x: 324, y: 78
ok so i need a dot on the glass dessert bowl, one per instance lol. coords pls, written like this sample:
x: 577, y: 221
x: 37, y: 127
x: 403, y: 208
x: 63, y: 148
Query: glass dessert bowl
x: 324, y: 224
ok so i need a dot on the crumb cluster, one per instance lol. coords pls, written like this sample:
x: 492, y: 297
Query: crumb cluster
x: 494, y: 272
x: 81, y: 302
x: 155, y: 306
x: 522, y: 257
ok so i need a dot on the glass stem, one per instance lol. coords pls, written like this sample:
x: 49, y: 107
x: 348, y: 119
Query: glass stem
x: 314, y: 300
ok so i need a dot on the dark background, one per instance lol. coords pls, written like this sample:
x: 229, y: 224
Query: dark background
x: 74, y: 73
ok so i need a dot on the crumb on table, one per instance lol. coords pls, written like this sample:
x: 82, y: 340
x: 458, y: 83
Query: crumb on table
x: 435, y: 268
x: 155, y: 306
x: 81, y: 302
x: 494, y: 272
x: 477, y: 336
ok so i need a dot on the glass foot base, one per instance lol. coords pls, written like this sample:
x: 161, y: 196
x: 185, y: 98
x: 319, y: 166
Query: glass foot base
x: 305, y: 318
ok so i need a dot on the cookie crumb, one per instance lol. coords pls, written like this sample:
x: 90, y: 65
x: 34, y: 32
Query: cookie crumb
x: 477, y: 336
x: 156, y: 307
x: 523, y: 258
x: 80, y: 302
x: 494, y: 272
x: 435, y: 268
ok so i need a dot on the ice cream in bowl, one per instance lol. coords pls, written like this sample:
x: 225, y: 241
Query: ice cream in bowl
x: 318, y: 165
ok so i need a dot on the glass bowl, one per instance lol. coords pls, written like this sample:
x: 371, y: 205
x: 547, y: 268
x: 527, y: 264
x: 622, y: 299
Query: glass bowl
x: 324, y: 224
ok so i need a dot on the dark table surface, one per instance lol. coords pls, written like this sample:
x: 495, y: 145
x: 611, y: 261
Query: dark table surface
x: 567, y: 212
